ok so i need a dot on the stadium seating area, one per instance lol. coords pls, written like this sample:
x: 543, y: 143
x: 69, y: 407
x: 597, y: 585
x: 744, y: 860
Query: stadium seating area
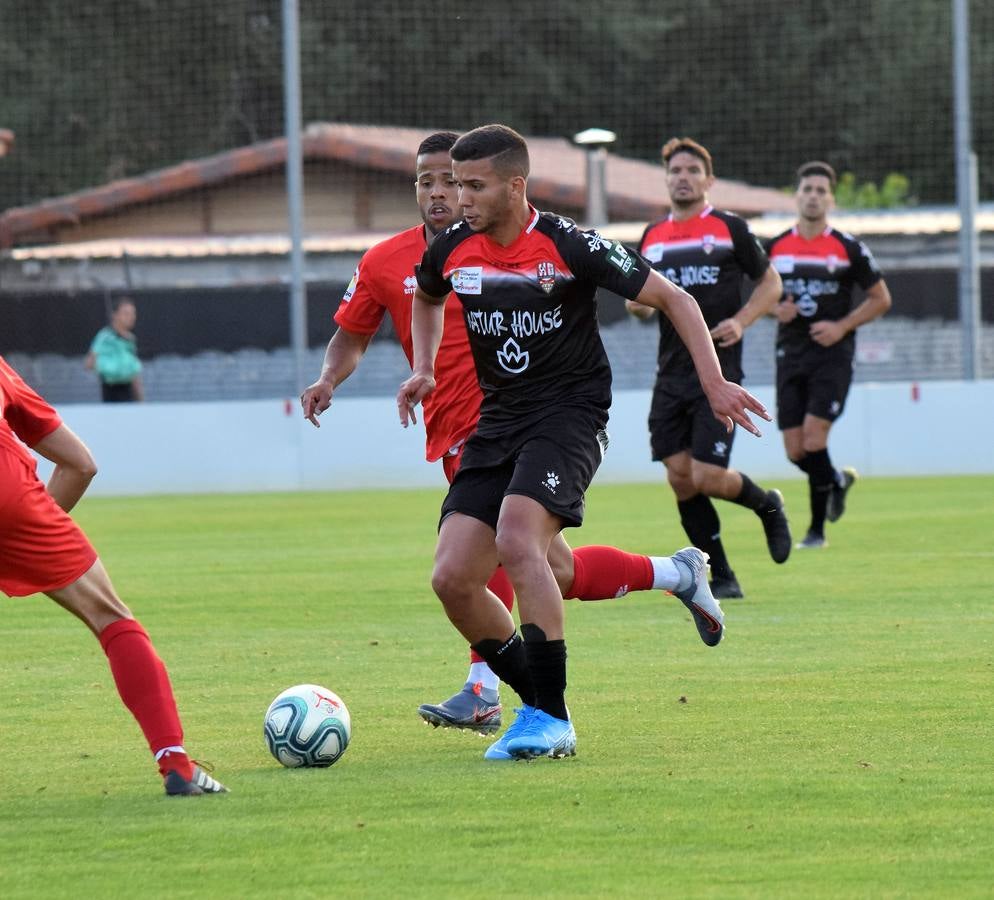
x: 891, y: 349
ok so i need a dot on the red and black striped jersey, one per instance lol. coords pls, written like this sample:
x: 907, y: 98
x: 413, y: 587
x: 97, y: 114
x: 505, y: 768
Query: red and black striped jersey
x: 707, y: 256
x: 530, y: 310
x: 820, y: 273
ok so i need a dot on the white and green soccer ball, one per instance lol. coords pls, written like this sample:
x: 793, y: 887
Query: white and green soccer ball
x: 307, y: 725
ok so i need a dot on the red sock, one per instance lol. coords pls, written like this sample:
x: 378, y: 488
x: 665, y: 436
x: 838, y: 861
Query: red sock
x: 142, y: 682
x: 602, y: 573
x: 180, y: 762
x: 500, y: 584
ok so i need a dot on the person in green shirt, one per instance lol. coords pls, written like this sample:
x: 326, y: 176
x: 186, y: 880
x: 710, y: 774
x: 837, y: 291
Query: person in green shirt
x: 114, y: 356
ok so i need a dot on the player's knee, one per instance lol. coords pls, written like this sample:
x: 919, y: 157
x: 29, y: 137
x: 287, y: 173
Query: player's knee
x: 708, y: 480
x: 682, y: 482
x: 449, y: 582
x: 515, y: 548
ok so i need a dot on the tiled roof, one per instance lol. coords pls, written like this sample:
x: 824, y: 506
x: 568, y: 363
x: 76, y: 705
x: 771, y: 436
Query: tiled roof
x: 636, y: 189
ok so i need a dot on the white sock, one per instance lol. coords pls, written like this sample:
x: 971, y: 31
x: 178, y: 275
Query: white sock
x: 666, y: 574
x: 166, y: 750
x: 482, y: 673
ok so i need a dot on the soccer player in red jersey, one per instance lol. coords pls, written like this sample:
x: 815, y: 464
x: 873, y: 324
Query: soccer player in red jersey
x: 708, y: 253
x: 384, y: 285
x: 526, y: 283
x: 42, y: 550
x: 816, y: 339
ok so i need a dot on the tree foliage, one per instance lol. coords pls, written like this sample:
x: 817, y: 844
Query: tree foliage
x: 100, y: 89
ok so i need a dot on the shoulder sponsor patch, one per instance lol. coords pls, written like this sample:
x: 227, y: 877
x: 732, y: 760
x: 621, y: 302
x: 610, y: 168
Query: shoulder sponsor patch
x: 619, y: 257
x: 350, y: 290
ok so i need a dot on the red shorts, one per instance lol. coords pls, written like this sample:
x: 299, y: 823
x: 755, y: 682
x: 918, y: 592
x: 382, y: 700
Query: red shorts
x: 41, y: 547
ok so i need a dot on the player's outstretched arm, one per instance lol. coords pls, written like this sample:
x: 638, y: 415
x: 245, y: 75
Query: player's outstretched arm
x: 427, y: 323
x: 74, y: 466
x: 341, y: 357
x: 731, y: 403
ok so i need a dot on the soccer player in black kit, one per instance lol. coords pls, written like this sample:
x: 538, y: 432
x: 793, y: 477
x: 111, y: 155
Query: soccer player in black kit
x: 708, y: 253
x: 816, y: 338
x: 526, y: 281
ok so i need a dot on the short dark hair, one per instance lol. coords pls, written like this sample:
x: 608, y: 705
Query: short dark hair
x: 439, y: 142
x: 503, y: 145
x: 687, y: 145
x: 118, y: 302
x: 816, y: 167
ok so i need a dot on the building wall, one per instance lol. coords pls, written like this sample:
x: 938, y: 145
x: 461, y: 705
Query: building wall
x: 339, y: 198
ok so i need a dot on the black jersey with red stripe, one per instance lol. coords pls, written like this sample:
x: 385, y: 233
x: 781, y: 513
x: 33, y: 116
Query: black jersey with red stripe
x: 707, y: 256
x: 530, y: 310
x: 820, y: 274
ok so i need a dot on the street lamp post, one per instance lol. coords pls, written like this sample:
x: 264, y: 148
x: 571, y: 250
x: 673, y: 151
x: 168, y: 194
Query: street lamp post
x: 596, y: 141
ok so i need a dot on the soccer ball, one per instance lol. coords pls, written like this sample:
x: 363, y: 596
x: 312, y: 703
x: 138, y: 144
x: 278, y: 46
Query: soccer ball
x: 307, y: 725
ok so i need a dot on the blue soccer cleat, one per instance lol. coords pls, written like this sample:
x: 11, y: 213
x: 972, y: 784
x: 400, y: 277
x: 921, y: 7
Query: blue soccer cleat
x: 498, y: 749
x: 543, y: 735
x: 698, y: 598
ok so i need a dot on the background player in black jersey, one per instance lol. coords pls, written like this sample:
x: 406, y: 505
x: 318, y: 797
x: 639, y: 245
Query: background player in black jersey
x: 816, y: 338
x: 526, y: 281
x: 709, y: 253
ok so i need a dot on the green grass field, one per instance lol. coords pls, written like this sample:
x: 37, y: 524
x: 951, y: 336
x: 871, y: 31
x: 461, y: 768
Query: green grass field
x: 838, y: 743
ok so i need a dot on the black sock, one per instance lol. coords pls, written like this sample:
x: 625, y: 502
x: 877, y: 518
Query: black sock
x: 821, y: 480
x: 510, y: 664
x: 752, y: 496
x: 547, y: 663
x: 700, y: 520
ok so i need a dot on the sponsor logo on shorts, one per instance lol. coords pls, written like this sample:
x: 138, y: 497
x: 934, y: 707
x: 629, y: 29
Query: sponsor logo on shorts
x: 551, y: 481
x: 410, y: 283
x: 720, y: 449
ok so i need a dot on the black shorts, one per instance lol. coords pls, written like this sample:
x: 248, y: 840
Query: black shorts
x: 681, y: 419
x: 552, y: 460
x: 805, y: 389
x: 117, y: 393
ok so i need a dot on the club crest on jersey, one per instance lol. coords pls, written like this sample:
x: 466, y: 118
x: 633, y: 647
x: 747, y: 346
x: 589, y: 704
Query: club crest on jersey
x: 467, y: 280
x: 707, y: 243
x: 546, y: 276
x: 831, y: 263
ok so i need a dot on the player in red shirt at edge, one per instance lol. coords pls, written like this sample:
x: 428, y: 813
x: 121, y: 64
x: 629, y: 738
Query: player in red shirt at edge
x: 384, y: 284
x: 42, y: 550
